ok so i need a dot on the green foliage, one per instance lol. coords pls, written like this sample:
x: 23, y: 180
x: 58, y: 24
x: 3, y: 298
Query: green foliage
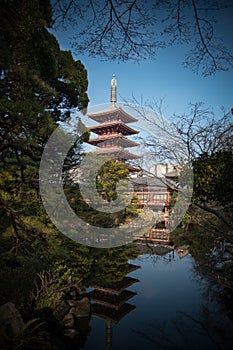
x: 30, y: 337
x: 67, y: 262
x: 74, y: 156
x: 39, y: 86
x: 16, y: 279
x: 111, y: 265
x: 53, y: 284
x: 109, y: 188
x: 19, y: 19
x: 213, y: 180
x: 95, y: 217
x: 108, y: 177
x: 133, y: 209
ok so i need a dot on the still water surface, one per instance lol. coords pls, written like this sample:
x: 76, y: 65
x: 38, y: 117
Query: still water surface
x: 174, y: 309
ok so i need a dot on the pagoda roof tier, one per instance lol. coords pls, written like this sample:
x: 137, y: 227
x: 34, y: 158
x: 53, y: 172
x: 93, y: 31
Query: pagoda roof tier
x: 119, y: 153
x: 121, y: 140
x: 133, y: 267
x: 117, y: 287
x: 112, y: 315
x: 110, y: 300
x: 112, y: 113
x: 113, y: 127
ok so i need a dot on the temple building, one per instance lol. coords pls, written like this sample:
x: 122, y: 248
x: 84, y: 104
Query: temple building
x: 112, y: 132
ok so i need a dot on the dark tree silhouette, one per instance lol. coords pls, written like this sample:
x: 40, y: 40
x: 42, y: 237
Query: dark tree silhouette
x: 136, y: 29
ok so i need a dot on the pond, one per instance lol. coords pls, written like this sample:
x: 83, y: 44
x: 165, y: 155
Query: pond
x: 171, y: 307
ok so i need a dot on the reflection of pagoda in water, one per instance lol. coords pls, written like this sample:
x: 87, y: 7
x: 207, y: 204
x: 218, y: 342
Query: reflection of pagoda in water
x: 109, y: 301
x: 112, y: 132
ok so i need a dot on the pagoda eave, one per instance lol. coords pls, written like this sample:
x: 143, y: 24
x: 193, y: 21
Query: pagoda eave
x: 120, y: 139
x: 118, y: 154
x: 110, y: 314
x: 111, y: 300
x: 113, y: 127
x: 117, y: 287
x: 112, y: 113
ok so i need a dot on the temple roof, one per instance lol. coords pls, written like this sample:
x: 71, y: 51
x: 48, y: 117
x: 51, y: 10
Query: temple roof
x: 113, y: 127
x: 111, y: 300
x: 117, y: 287
x: 150, y: 182
x: 133, y: 267
x: 120, y: 140
x: 112, y: 113
x: 119, y: 153
x: 112, y: 315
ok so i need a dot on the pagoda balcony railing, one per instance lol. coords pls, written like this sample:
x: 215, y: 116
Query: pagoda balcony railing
x: 106, y: 134
x: 114, y: 148
x: 154, y: 203
x: 153, y: 196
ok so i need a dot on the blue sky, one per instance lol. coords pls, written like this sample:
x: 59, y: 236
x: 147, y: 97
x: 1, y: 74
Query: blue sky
x: 164, y: 77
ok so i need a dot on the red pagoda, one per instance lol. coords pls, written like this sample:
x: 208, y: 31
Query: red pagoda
x: 113, y: 130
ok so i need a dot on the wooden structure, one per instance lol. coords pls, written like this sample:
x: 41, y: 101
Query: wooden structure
x: 112, y: 132
x: 112, y: 139
x: 153, y: 192
x: 114, y: 295
x: 155, y: 235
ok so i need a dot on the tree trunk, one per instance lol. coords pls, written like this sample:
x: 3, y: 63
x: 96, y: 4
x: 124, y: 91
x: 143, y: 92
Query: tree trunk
x: 217, y: 213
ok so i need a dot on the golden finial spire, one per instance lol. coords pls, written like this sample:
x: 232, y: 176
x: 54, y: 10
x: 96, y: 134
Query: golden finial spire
x: 113, y: 91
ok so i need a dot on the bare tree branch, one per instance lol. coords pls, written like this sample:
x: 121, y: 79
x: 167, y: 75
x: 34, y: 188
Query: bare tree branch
x: 135, y: 30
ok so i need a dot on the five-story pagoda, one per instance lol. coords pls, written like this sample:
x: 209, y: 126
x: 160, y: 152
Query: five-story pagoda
x: 113, y: 130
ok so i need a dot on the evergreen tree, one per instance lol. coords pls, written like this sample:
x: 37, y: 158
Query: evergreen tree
x: 213, y: 178
x: 39, y: 85
x: 108, y: 177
